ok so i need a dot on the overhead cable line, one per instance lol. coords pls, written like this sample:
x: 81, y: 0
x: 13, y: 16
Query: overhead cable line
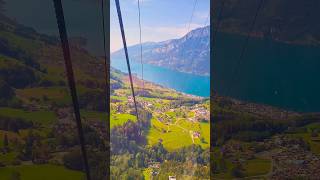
x: 204, y: 26
x: 107, y: 79
x: 126, y: 54
x: 139, y: 9
x: 244, y: 47
x: 202, y: 33
x: 189, y: 24
x: 219, y: 19
x: 192, y: 14
x: 106, y: 62
x: 68, y: 64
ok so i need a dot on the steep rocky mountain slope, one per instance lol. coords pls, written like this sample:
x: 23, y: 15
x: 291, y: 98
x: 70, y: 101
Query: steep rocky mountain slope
x: 190, y: 54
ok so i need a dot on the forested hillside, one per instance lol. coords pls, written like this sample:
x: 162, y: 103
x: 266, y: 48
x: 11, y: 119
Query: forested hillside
x: 38, y: 134
x: 291, y: 21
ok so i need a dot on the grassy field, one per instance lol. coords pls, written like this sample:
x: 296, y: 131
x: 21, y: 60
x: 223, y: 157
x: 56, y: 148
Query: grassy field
x: 8, y: 158
x: 20, y: 42
x: 40, y: 172
x: 147, y: 173
x: 257, y: 167
x: 94, y: 115
x: 177, y: 135
x: 120, y: 119
x: 42, y: 117
x: 115, y: 119
x: 254, y: 167
x: 119, y: 98
x: 53, y: 94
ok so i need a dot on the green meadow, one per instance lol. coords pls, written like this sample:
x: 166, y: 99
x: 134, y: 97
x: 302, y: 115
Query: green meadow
x: 120, y: 119
x: 94, y: 115
x: 41, y: 116
x: 256, y: 167
x: 53, y: 94
x: 177, y: 135
x: 40, y: 172
x: 115, y: 119
x: 147, y: 173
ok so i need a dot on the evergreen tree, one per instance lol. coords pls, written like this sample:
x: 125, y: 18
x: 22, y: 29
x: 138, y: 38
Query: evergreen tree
x: 5, y: 142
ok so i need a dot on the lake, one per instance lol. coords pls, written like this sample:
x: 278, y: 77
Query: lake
x: 273, y: 73
x: 183, y: 82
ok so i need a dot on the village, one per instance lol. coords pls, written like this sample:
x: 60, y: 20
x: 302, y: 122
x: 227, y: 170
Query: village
x: 166, y: 113
x: 173, y: 115
x: 280, y: 157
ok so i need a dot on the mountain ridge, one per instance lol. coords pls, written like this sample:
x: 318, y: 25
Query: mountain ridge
x: 189, y: 54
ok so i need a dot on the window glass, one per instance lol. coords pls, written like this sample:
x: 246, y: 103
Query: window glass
x: 170, y: 138
x: 266, y: 102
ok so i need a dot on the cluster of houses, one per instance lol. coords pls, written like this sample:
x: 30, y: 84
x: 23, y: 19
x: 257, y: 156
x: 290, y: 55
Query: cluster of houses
x: 295, y: 163
x: 144, y: 104
x: 290, y: 158
x: 200, y: 114
x: 264, y: 110
x: 155, y: 169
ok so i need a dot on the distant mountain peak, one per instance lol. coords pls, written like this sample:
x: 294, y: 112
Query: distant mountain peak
x: 190, y: 54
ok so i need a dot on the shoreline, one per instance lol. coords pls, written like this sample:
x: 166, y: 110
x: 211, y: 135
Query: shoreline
x: 136, y: 75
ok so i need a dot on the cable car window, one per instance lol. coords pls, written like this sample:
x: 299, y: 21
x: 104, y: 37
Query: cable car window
x: 160, y: 88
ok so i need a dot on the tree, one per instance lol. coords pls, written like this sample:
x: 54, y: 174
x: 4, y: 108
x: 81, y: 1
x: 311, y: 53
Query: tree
x: 133, y: 174
x: 314, y: 133
x: 45, y: 98
x: 73, y: 160
x: 40, y: 152
x: 15, y: 175
x: 98, y: 164
x: 139, y: 160
x: 6, y: 92
x: 5, y: 143
x: 26, y: 151
x: 238, y: 171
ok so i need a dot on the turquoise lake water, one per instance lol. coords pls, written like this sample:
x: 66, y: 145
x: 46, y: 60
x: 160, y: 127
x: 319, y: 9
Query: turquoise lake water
x: 184, y: 82
x: 273, y: 73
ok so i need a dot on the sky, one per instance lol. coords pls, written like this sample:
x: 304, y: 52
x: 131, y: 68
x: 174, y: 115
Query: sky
x: 160, y: 20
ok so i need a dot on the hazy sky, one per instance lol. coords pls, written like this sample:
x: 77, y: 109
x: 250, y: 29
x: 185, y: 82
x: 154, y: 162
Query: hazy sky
x: 160, y: 19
